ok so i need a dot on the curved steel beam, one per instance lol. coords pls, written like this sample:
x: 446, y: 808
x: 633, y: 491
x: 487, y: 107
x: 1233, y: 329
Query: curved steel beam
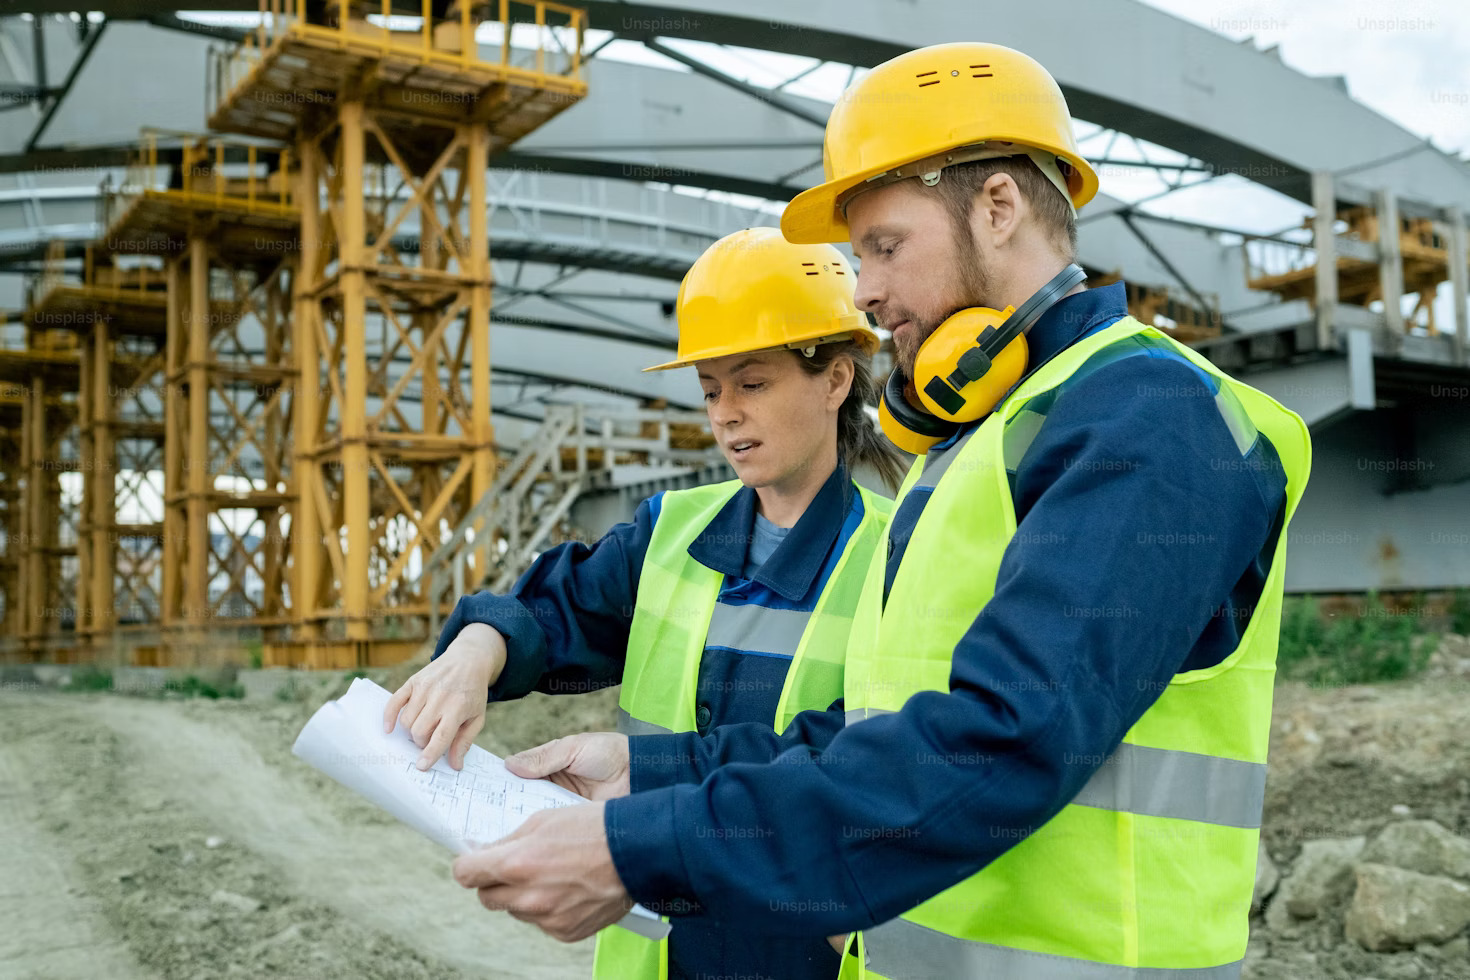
x: 1197, y: 92
x: 635, y: 127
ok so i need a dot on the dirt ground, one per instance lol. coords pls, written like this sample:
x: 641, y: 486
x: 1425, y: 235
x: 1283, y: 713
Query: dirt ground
x: 143, y: 837
x: 1342, y: 760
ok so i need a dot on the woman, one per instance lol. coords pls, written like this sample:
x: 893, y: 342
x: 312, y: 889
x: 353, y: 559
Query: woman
x: 717, y: 605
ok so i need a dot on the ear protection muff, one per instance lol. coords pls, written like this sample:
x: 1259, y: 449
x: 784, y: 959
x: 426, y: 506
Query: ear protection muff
x: 964, y: 368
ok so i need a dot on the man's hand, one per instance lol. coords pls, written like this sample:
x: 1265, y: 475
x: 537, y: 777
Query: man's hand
x: 594, y: 764
x: 555, y: 872
x: 443, y: 705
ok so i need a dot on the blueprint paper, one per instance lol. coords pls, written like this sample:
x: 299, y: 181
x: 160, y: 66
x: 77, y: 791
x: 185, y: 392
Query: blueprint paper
x: 460, y: 810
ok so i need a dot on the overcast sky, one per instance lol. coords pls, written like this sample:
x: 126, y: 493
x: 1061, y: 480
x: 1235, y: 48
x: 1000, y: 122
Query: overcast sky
x: 1407, y: 59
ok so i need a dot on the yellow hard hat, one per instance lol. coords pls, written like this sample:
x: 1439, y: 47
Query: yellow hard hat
x: 754, y: 291
x: 932, y: 108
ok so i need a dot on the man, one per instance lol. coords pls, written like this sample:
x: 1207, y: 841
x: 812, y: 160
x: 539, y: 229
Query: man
x: 1058, y: 687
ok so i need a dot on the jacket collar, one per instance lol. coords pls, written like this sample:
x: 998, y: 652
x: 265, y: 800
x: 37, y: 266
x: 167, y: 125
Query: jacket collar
x: 798, y: 560
x: 1068, y: 321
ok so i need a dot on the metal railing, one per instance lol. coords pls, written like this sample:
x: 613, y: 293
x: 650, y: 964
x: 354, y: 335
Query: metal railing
x: 141, y: 277
x: 502, y: 533
x: 213, y: 171
x: 447, y: 40
x: 1268, y: 258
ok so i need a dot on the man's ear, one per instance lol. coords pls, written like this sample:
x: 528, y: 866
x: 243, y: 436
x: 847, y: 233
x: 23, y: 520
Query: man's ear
x: 998, y: 209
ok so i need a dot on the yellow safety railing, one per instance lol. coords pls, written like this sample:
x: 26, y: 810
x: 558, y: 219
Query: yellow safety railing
x: 141, y: 276
x: 12, y: 338
x: 53, y: 269
x: 214, y: 170
x: 560, y: 30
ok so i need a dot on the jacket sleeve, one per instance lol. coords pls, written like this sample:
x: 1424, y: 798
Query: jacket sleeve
x: 566, y: 620
x: 1090, y: 618
x: 688, y: 757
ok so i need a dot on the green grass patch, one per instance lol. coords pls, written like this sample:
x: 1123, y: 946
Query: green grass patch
x: 190, y: 686
x: 1459, y: 612
x: 1378, y: 643
x: 88, y: 677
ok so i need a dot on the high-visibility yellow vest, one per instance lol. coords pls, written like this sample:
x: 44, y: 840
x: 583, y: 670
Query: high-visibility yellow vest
x: 1150, y: 867
x: 676, y: 616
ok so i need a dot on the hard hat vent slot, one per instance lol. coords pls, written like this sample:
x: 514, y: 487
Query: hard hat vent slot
x: 985, y: 75
x: 810, y: 268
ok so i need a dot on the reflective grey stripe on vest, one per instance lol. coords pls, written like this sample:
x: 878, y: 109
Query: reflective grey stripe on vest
x: 629, y: 725
x: 758, y: 628
x: 1163, y: 783
x: 1182, y: 785
x: 855, y: 715
x: 905, y: 950
x: 936, y: 463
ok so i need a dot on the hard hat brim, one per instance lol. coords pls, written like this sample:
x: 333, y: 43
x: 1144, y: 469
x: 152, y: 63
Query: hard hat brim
x: 812, y: 217
x: 864, y: 336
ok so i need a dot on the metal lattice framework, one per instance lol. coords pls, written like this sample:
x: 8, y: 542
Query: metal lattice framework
x: 227, y: 405
x: 10, y: 515
x: 396, y: 127
x: 47, y: 555
x: 126, y: 541
x: 376, y: 484
x: 571, y: 452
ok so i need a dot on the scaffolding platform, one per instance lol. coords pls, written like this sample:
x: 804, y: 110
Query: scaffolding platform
x: 278, y: 83
x: 62, y: 369
x: 1290, y: 269
x: 159, y: 222
x: 79, y: 307
x: 239, y: 195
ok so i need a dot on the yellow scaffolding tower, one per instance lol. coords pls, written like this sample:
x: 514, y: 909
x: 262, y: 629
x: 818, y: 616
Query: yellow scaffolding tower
x: 115, y: 319
x: 387, y: 125
x: 40, y: 378
x: 225, y: 224
x: 12, y: 398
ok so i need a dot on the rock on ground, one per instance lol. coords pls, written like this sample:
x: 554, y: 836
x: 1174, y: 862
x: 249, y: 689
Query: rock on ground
x: 1323, y: 868
x: 1423, y: 846
x: 1396, y: 909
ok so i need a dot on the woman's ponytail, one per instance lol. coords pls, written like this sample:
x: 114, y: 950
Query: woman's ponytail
x: 859, y: 442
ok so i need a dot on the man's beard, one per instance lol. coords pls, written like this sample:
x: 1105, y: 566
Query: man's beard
x: 974, y: 285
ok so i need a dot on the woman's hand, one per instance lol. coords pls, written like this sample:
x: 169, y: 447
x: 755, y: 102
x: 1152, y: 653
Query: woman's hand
x: 593, y: 764
x: 443, y: 705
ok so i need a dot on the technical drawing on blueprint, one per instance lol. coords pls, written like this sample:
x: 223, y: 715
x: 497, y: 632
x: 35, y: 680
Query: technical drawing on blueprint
x: 485, y: 801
